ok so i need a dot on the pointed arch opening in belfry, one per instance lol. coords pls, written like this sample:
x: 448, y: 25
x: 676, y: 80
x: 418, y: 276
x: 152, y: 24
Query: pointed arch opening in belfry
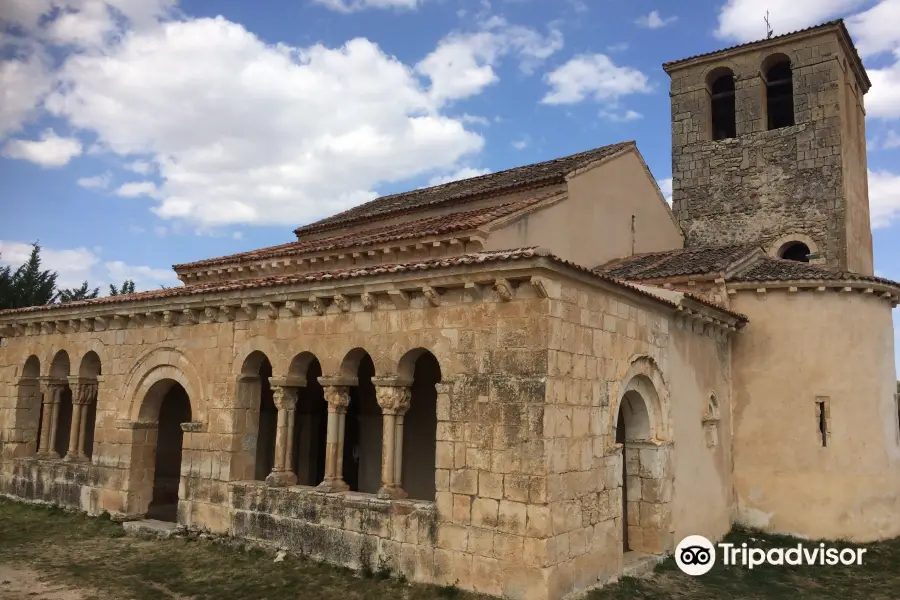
x: 646, y: 461
x: 362, y: 430
x: 311, y: 427
x: 256, y: 390
x: 420, y: 423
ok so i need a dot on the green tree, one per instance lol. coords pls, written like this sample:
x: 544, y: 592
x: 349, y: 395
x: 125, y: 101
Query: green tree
x: 29, y: 285
x: 127, y: 288
x: 75, y: 294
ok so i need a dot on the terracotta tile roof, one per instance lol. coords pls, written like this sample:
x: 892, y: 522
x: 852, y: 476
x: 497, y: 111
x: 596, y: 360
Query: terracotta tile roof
x: 767, y: 269
x: 546, y: 173
x: 418, y: 229
x: 837, y: 22
x: 677, y: 263
x: 477, y: 258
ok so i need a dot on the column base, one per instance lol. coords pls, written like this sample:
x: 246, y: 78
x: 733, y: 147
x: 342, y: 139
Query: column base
x: 281, y: 479
x: 52, y: 455
x: 391, y: 493
x: 331, y: 486
x: 76, y: 458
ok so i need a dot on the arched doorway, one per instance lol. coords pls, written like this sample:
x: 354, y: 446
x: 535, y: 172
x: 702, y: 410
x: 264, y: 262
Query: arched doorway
x: 90, y: 370
x: 29, y: 405
x: 158, y: 446
x: 61, y: 410
x: 646, y: 463
x: 255, y: 393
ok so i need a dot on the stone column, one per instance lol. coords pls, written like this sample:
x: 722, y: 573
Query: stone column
x: 84, y: 392
x: 338, y: 399
x: 52, y: 390
x: 285, y: 399
x: 394, y: 402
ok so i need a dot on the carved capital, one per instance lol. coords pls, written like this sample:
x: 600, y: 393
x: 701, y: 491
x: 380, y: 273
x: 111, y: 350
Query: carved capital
x: 53, y: 389
x: 84, y: 391
x: 393, y: 399
x: 285, y: 398
x: 337, y: 397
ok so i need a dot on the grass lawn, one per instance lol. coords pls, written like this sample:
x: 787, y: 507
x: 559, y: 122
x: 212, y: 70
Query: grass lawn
x: 93, y: 557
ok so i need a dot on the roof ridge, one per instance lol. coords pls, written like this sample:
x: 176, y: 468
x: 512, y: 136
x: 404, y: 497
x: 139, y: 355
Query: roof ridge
x: 488, y: 214
x: 358, y: 213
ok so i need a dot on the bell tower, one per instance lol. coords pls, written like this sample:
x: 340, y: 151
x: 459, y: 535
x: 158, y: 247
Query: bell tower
x: 769, y: 147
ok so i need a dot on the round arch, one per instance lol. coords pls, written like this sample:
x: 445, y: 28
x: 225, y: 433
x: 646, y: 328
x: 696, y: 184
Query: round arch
x: 350, y: 364
x: 725, y: 65
x: 32, y: 368
x: 716, y: 74
x: 60, y: 366
x: 406, y: 366
x: 774, y: 59
x: 778, y: 247
x: 300, y: 364
x: 91, y: 366
x: 263, y: 345
x: 643, y: 383
x: 154, y: 366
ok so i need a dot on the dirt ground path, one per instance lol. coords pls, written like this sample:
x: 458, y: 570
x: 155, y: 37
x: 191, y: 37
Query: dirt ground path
x: 21, y: 583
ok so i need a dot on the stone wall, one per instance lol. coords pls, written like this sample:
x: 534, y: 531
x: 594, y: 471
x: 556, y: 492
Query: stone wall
x: 763, y: 185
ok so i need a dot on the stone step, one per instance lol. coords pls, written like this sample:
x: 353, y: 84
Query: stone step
x: 150, y: 528
x: 640, y: 565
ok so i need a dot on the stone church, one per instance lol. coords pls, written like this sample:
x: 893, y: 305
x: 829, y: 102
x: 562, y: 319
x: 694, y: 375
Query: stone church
x: 524, y: 383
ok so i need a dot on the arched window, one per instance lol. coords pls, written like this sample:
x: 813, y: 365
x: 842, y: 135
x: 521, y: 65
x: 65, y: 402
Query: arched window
x: 797, y: 251
x: 779, y: 92
x: 721, y: 100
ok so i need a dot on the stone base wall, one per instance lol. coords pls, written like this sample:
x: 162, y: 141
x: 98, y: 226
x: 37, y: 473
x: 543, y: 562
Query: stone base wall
x: 357, y: 531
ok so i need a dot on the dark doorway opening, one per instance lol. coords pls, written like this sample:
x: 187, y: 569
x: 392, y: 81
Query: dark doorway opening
x: 175, y: 410
x: 64, y: 423
x: 620, y: 439
x: 362, y: 434
x: 311, y: 429
x: 268, y: 423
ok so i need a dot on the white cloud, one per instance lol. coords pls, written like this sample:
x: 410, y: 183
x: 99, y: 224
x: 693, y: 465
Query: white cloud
x: 462, y: 65
x: 884, y: 198
x: 625, y: 117
x: 50, y: 151
x: 665, y: 186
x: 620, y: 47
x: 521, y: 144
x: 77, y: 265
x: 875, y: 30
x: 743, y: 20
x: 97, y: 182
x: 891, y: 140
x: 883, y: 100
x: 23, y: 84
x: 304, y: 161
x: 654, y: 20
x: 463, y: 173
x: 141, y: 167
x: 593, y: 76
x: 475, y: 120
x: 134, y: 189
x: 348, y: 6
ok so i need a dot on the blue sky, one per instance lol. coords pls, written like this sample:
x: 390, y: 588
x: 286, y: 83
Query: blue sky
x: 135, y: 134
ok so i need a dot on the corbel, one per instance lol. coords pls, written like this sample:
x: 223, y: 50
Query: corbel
x: 504, y: 289
x: 846, y: 289
x: 317, y: 304
x: 120, y: 321
x: 761, y: 293
x: 792, y: 289
x: 434, y: 299
x: 249, y: 310
x: 821, y: 289
x: 61, y: 326
x: 455, y: 244
x: 211, y: 313
x: 271, y: 310
x: 368, y: 301
x: 18, y: 329
x: 73, y: 325
x: 399, y: 298
x: 342, y: 302
x: 103, y: 322
x: 540, y: 286
x: 227, y: 312
x: 168, y: 318
x: 732, y: 292
x: 886, y: 295
x: 474, y: 290
x: 87, y: 325
x: 45, y: 327
x: 294, y: 307
x: 191, y: 316
x: 370, y: 252
x: 136, y: 318
x: 6, y: 330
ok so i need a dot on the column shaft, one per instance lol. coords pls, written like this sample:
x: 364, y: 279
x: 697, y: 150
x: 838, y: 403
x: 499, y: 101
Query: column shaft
x: 338, y: 398
x: 394, y: 402
x: 75, y: 431
x: 282, y: 474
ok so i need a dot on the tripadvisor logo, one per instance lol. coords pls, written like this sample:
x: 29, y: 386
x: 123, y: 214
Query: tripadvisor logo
x: 695, y: 555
